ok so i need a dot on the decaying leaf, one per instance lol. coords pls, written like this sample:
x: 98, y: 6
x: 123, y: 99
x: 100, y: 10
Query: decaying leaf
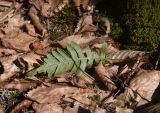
x: 142, y: 87
x: 55, y: 94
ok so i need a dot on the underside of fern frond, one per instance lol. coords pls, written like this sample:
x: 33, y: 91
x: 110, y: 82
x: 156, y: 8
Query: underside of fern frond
x: 72, y: 60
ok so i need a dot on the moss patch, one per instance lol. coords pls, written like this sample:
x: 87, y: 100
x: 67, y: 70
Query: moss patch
x: 64, y: 23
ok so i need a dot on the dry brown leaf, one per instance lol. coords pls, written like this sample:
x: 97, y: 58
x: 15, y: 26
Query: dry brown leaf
x: 123, y: 110
x: 80, y: 81
x: 20, y: 84
x: 31, y: 30
x: 44, y: 51
x: 37, y: 45
x: 28, y: 60
x: 6, y: 52
x: 56, y: 93
x: 47, y: 108
x: 105, y: 77
x: 5, y: 3
x: 142, y: 87
x: 99, y: 110
x: 79, y: 39
x: 46, y: 10
x: 8, y: 67
x: 70, y: 110
x: 14, y: 23
x: 9, y: 13
x: 18, y: 40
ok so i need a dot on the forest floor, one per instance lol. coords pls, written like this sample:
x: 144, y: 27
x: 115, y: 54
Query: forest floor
x: 58, y: 57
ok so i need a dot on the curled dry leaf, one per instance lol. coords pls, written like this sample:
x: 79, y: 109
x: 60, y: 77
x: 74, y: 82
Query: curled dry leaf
x: 36, y: 21
x: 18, y: 40
x: 56, y: 93
x: 142, y: 87
x: 25, y: 103
x: 47, y: 108
x: 105, y: 76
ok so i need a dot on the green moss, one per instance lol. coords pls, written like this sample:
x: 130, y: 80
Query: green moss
x: 63, y: 23
x: 141, y: 24
x: 135, y: 23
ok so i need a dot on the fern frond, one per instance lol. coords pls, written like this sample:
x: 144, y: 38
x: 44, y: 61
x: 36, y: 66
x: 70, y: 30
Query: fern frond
x: 73, y: 60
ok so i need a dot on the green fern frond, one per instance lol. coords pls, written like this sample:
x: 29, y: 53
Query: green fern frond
x: 73, y: 60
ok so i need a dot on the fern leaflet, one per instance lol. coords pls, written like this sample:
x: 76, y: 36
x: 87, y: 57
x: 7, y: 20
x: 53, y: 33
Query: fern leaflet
x: 73, y: 60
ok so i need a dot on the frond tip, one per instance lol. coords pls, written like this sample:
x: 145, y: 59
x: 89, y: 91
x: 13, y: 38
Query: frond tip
x: 73, y: 60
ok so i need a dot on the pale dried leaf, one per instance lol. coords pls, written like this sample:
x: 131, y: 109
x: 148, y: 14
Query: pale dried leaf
x: 55, y: 93
x: 79, y: 39
x: 31, y: 30
x: 14, y: 23
x: 28, y: 60
x: 8, y: 67
x: 142, y: 87
x: 70, y: 110
x: 47, y: 108
x: 6, y: 52
x: 123, y: 110
x: 18, y: 40
x: 20, y: 84
x: 99, y: 110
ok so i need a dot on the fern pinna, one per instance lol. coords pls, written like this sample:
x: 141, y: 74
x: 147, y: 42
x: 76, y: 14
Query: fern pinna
x: 73, y: 60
